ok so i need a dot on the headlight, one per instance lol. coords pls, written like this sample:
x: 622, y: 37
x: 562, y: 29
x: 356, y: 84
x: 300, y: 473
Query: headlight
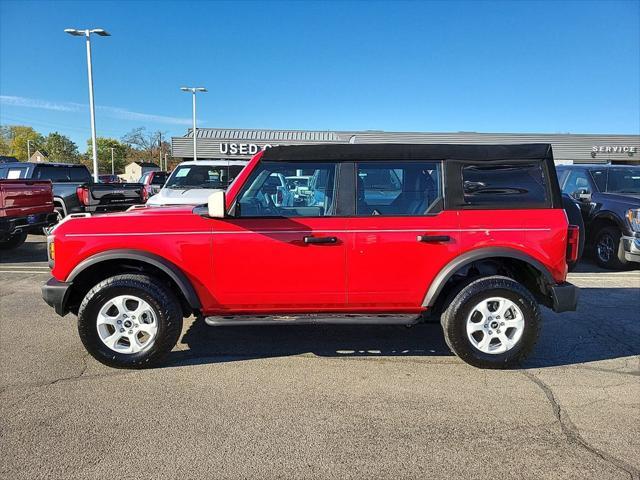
x: 633, y: 217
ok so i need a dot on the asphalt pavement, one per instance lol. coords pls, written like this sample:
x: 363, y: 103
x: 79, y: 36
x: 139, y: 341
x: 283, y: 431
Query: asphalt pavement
x: 320, y: 402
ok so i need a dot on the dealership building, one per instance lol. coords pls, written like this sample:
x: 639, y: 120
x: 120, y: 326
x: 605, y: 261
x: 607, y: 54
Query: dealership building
x: 239, y: 144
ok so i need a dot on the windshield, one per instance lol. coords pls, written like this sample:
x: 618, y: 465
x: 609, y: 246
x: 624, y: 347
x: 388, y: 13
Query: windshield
x: 624, y: 180
x: 202, y: 176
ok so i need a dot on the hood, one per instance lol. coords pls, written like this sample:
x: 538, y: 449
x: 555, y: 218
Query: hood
x: 171, y: 196
x: 632, y: 199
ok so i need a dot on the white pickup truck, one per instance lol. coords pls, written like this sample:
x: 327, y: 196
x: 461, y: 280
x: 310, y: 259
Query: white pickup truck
x: 191, y: 182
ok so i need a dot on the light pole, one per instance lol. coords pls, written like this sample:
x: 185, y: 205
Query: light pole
x: 193, y: 91
x: 112, y: 164
x: 87, y: 34
x: 28, y: 150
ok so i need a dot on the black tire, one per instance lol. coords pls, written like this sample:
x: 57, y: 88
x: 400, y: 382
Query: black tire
x: 574, y: 215
x: 454, y: 320
x: 14, y: 241
x: 611, y: 258
x: 166, y: 308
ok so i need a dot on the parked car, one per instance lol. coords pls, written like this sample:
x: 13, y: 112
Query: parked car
x: 299, y: 186
x: 609, y: 198
x: 108, y: 179
x: 482, y: 259
x: 24, y: 206
x: 73, y: 188
x: 153, y: 182
x: 191, y: 183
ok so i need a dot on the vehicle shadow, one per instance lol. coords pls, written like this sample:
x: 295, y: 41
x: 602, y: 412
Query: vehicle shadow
x: 587, y: 264
x: 33, y: 250
x: 606, y: 326
x: 227, y: 344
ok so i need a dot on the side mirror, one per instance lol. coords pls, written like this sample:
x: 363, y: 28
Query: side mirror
x: 216, y: 204
x: 582, y: 195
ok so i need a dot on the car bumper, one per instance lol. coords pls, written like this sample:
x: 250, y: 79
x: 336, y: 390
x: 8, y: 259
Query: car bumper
x: 55, y: 293
x: 631, y: 247
x: 11, y: 226
x: 564, y: 297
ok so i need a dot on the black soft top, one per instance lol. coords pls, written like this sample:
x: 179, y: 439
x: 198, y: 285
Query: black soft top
x: 401, y: 151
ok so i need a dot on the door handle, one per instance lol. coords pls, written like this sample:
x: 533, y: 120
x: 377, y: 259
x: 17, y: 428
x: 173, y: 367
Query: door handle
x: 434, y: 238
x: 316, y: 240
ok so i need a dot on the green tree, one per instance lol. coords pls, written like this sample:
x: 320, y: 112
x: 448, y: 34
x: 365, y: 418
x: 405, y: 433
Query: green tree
x: 5, y: 140
x: 20, y: 135
x: 61, y: 148
x: 104, y: 155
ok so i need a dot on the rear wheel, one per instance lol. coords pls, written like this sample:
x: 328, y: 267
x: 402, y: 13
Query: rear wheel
x: 492, y: 323
x: 14, y: 241
x: 59, y: 216
x: 608, y: 249
x: 129, y: 321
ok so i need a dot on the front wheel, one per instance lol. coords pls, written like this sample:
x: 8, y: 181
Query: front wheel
x: 492, y: 323
x: 14, y: 241
x: 609, y: 250
x: 129, y: 321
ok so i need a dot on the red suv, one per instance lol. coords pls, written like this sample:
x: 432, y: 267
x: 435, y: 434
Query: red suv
x: 387, y: 234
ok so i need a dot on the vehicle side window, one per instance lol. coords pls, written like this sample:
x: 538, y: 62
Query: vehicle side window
x: 397, y: 188
x: 14, y: 173
x: 578, y: 180
x: 266, y: 194
x: 600, y: 179
x: 143, y: 178
x: 159, y: 179
x: 505, y: 184
x: 79, y: 174
x: 50, y: 172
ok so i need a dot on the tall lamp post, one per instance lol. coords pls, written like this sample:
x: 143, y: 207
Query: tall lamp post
x: 193, y: 91
x: 112, y: 163
x: 87, y: 34
x: 28, y: 150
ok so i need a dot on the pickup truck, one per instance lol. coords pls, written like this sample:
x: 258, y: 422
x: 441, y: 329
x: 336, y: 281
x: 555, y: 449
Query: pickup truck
x: 609, y: 200
x: 191, y: 182
x: 474, y: 235
x: 24, y: 206
x: 153, y: 182
x: 73, y: 188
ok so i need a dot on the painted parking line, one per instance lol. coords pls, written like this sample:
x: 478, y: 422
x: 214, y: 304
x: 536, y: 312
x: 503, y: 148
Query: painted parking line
x: 22, y: 265
x: 31, y: 272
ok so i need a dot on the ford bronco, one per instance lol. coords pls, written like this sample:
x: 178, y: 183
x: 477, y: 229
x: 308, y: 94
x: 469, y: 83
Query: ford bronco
x: 472, y: 234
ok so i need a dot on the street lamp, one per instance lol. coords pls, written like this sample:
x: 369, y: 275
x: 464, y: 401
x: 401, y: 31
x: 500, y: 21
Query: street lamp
x: 28, y: 150
x: 87, y: 34
x: 193, y: 90
x: 112, y: 164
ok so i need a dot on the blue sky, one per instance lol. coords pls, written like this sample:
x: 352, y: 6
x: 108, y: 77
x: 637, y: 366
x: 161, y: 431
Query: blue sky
x: 416, y: 66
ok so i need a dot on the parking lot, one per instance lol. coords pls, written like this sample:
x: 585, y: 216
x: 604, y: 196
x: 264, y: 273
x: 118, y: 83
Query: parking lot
x: 320, y: 402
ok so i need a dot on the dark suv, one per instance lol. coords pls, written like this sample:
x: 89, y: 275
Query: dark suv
x: 609, y: 197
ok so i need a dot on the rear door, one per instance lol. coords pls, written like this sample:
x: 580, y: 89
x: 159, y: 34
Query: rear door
x: 401, y: 237
x: 274, y: 256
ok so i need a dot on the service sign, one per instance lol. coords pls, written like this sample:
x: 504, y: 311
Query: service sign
x: 614, y: 149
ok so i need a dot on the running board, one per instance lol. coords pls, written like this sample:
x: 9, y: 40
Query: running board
x: 313, y: 319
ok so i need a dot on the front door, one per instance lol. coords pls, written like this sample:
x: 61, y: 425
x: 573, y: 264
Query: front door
x: 401, y: 237
x: 282, y: 252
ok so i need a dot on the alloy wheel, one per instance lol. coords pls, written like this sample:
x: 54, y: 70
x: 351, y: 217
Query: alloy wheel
x: 605, y: 248
x: 495, y: 325
x: 127, y: 324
